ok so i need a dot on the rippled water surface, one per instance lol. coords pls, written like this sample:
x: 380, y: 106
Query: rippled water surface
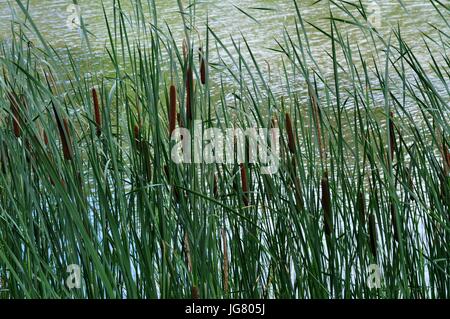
x: 225, y: 18
x: 261, y: 22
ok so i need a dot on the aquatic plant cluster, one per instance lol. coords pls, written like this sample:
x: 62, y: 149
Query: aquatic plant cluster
x: 92, y: 204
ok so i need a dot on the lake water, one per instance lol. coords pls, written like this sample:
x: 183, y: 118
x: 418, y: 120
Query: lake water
x: 227, y: 18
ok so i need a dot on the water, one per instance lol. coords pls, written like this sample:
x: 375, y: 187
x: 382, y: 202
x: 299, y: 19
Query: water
x: 53, y: 20
x: 261, y: 22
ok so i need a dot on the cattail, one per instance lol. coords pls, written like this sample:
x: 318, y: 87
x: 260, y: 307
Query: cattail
x: 195, y: 293
x: 189, y: 90
x: 63, y: 129
x: 361, y: 207
x: 290, y: 133
x: 447, y: 156
x: 187, y: 251
x: 3, y: 156
x: 202, y: 66
x: 326, y: 204
x: 45, y: 137
x: 98, y: 117
x: 373, y: 235
x: 216, y: 187
x: 179, y: 120
x: 172, y: 109
x: 147, y: 161
x: 244, y: 184
x: 137, y: 136
x: 66, y: 141
x: 392, y: 140
x: 15, y: 112
x: 225, y: 261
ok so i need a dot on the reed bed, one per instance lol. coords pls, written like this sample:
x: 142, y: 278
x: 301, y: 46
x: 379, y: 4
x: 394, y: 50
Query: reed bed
x: 87, y: 176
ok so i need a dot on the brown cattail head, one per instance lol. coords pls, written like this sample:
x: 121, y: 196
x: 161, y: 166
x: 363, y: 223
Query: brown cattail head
x: 137, y: 135
x: 15, y: 114
x: 97, y: 114
x: 45, y: 137
x: 66, y: 141
x: 216, y: 187
x: 290, y: 134
x: 392, y: 140
x: 64, y: 134
x: 195, y: 293
x: 172, y: 109
x: 189, y: 90
x: 373, y: 235
x: 187, y: 251
x: 202, y: 66
x: 244, y: 184
x: 326, y: 205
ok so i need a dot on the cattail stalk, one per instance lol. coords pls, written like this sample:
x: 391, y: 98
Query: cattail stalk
x: 189, y: 90
x: 393, y: 211
x: 225, y: 262
x: 316, y: 115
x: 97, y: 114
